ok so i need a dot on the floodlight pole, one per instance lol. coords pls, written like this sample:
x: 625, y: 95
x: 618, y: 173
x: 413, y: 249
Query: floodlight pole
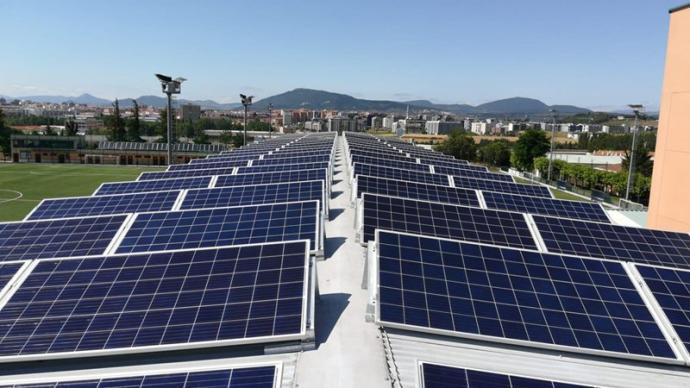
x: 246, y: 101
x: 270, y: 117
x: 170, y: 86
x: 553, y: 138
x: 631, y: 162
x: 170, y: 118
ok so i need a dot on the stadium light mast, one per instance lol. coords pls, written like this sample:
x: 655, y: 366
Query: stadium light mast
x: 170, y: 86
x: 246, y: 101
x: 554, y: 114
x: 637, y: 109
x: 270, y: 120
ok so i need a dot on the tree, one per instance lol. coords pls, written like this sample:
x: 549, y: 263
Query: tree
x: 530, y: 145
x: 495, y: 153
x: 643, y: 161
x: 116, y: 124
x: 134, y: 125
x: 5, y: 133
x: 71, y: 128
x: 460, y: 145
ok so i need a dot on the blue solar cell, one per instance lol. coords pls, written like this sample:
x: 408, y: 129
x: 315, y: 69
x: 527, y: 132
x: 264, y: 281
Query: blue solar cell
x: 400, y: 174
x: 285, y: 167
x: 255, y: 377
x: 223, y: 226
x: 153, y: 185
x: 423, y: 191
x: 206, y: 172
x: 444, y: 220
x: 105, y: 204
x: 440, y: 376
x: 546, y: 206
x: 256, y: 194
x: 501, y: 187
x: 58, y: 238
x: 617, y: 242
x: 503, y: 294
x: 272, y: 177
x: 7, y: 271
x: 213, y: 297
x: 671, y: 288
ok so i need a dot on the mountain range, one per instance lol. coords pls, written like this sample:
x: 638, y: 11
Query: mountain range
x: 319, y: 99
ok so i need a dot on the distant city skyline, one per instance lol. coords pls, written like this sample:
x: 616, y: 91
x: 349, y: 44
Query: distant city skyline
x: 599, y: 55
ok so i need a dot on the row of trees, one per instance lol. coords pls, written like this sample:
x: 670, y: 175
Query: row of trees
x: 608, y: 141
x: 120, y: 129
x: 5, y: 133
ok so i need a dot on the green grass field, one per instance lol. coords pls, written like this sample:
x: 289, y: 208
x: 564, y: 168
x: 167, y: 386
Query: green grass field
x: 23, y: 186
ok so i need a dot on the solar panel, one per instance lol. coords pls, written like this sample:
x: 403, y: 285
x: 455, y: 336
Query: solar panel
x: 473, y: 174
x: 159, y: 175
x: 105, y: 204
x: 162, y: 301
x: 153, y: 185
x: 58, y: 238
x: 441, y: 376
x: 187, y: 167
x: 616, y: 242
x: 298, y: 159
x: 272, y: 177
x: 444, y: 220
x: 501, y: 187
x: 546, y: 206
x: 381, y: 154
x: 399, y: 174
x: 256, y: 377
x: 7, y: 271
x: 256, y: 194
x: 671, y: 288
x: 223, y: 226
x: 284, y: 167
x: 423, y: 191
x: 389, y: 163
x: 514, y: 296
x: 240, y: 158
x: 453, y: 164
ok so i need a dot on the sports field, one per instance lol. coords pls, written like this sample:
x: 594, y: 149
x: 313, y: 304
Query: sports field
x: 23, y: 186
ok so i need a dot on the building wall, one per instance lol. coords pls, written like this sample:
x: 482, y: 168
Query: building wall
x: 669, y: 207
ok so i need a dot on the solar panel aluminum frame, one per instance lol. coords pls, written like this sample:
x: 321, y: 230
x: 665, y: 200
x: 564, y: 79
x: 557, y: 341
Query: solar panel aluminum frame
x: 354, y: 197
x: 100, y: 186
x: 233, y: 170
x: 326, y: 172
x: 375, y: 299
x: 17, y: 277
x: 180, y: 196
x: 306, y: 334
x: 119, y: 372
x: 319, y: 238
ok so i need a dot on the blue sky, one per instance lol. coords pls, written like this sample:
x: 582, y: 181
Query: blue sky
x: 593, y: 53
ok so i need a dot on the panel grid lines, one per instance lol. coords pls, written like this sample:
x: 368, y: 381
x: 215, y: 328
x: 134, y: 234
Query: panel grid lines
x: 153, y: 185
x: 393, y: 188
x: 546, y: 206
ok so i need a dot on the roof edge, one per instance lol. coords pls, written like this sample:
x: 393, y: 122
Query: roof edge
x: 679, y: 8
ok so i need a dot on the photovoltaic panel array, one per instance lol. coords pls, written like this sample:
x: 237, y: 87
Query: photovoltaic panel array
x: 423, y: 191
x: 295, y: 160
x: 105, y: 204
x: 255, y: 377
x: 441, y: 376
x: 58, y: 238
x: 546, y: 206
x: 7, y: 272
x: 616, y: 242
x: 153, y: 185
x: 501, y: 187
x: 399, y: 174
x: 454, y: 164
x: 256, y: 194
x: 272, y: 177
x: 508, y: 295
x: 390, y: 163
x: 187, y: 167
x: 222, y: 226
x: 444, y: 220
x: 473, y: 174
x: 284, y: 167
x: 121, y: 303
x: 671, y: 288
x: 159, y: 175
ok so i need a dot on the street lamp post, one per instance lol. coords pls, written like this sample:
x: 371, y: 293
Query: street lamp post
x: 270, y: 120
x: 170, y: 86
x: 246, y: 101
x: 636, y: 108
x: 553, y: 138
